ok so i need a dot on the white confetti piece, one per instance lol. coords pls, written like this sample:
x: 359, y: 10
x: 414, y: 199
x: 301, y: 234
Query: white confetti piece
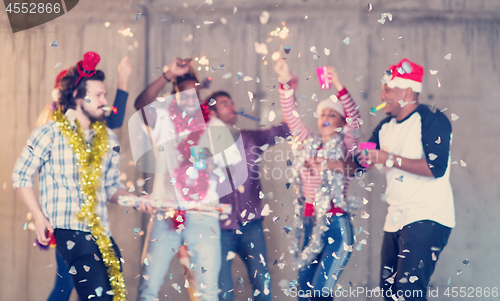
x: 266, y: 210
x: 346, y: 41
x: 462, y: 163
x: 230, y: 255
x: 131, y: 189
x: 208, y: 22
x: 247, y: 79
x: 432, y: 156
x: 70, y: 244
x: 243, y: 213
x: 448, y: 56
x: 327, y: 51
x: 365, y: 201
x: 250, y: 96
x: 365, y: 215
x: 433, y: 72
x: 57, y: 65
x: 86, y: 268
x: 272, y: 116
x: 454, y: 117
x: 261, y: 48
x: 264, y: 17
x: 294, y: 113
x: 72, y: 270
x: 330, y: 240
x: 402, y: 103
x: 227, y: 75
x: 235, y: 9
x: 313, y: 49
x: 439, y: 83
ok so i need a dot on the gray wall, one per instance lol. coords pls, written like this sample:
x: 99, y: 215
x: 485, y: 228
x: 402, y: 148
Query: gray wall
x: 423, y: 31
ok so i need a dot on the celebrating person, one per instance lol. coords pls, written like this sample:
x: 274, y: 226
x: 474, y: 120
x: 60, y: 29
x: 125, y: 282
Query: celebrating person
x: 64, y: 284
x: 182, y: 131
x: 413, y: 143
x: 77, y: 162
x: 320, y: 206
x: 245, y: 203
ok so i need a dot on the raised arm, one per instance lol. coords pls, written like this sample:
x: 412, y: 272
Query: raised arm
x: 176, y: 68
x: 288, y: 107
x: 352, y: 126
x: 115, y: 120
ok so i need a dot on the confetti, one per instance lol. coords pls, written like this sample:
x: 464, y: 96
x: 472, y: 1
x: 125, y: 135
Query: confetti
x: 438, y: 141
x: 230, y: 255
x: 466, y: 262
x: 365, y: 215
x: 462, y: 163
x: 25, y: 225
x: 330, y: 240
x: 266, y: 210
x: 261, y: 195
x: 137, y: 16
x: 235, y: 9
x: 400, y: 178
x: 70, y: 244
x: 448, y: 56
x: 454, y: 117
x: 346, y: 41
x: 287, y: 49
x: 434, y: 257
x: 223, y: 20
x: 287, y: 185
x: 264, y: 17
x: 287, y: 229
x: 137, y: 230
x: 439, y: 83
x: 227, y: 75
x: 432, y: 156
x: 276, y: 219
x: 272, y: 116
x: 208, y: 22
x: 72, y: 270
x: 54, y: 44
x: 86, y: 268
x: 370, y: 7
x: 433, y: 72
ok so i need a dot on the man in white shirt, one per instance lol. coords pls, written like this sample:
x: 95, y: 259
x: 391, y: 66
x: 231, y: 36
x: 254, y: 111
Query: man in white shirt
x: 413, y: 146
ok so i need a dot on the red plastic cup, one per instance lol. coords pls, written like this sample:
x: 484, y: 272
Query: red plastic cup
x: 322, y: 73
x: 367, y: 145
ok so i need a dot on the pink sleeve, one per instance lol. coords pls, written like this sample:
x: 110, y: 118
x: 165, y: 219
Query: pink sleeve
x: 295, y: 124
x: 352, y: 123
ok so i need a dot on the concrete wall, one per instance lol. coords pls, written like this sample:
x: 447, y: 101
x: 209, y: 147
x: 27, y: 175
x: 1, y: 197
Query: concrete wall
x: 423, y: 31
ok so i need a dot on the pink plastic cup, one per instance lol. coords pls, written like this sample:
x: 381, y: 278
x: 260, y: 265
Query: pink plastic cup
x: 367, y: 145
x: 322, y: 73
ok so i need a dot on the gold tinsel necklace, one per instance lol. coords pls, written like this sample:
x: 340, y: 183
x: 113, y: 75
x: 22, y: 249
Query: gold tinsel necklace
x: 89, y: 160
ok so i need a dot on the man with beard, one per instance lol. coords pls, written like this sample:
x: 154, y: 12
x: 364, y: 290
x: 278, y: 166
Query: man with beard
x: 77, y: 161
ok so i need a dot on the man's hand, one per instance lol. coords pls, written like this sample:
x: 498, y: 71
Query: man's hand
x: 124, y: 71
x: 178, y: 67
x: 146, y: 208
x: 373, y: 156
x: 42, y: 228
x: 333, y: 78
x: 281, y: 68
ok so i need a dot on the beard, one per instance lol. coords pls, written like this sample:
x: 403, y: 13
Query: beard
x: 92, y: 117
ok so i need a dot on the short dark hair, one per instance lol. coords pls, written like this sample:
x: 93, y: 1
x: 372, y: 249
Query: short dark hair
x: 214, y: 96
x: 66, y: 99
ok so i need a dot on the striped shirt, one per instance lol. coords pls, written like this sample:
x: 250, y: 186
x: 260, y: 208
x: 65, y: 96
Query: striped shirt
x: 48, y: 153
x: 311, y: 183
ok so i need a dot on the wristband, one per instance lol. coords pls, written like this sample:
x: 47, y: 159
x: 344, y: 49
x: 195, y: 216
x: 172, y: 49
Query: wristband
x: 165, y: 77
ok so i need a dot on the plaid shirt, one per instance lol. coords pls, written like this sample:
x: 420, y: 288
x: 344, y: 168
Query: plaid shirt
x: 48, y: 153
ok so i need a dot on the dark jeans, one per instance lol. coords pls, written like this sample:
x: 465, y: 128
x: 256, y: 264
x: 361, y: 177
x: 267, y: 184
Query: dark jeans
x: 323, y: 274
x: 249, y: 245
x: 63, y: 284
x: 418, y: 246
x: 85, y: 263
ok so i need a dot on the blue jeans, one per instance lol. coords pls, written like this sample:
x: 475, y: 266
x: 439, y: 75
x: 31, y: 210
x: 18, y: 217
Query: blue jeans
x: 242, y: 245
x: 327, y: 270
x: 95, y: 276
x: 63, y: 284
x: 203, y: 234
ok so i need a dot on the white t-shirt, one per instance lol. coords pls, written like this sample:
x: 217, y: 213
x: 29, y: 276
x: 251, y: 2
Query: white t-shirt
x: 411, y: 198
